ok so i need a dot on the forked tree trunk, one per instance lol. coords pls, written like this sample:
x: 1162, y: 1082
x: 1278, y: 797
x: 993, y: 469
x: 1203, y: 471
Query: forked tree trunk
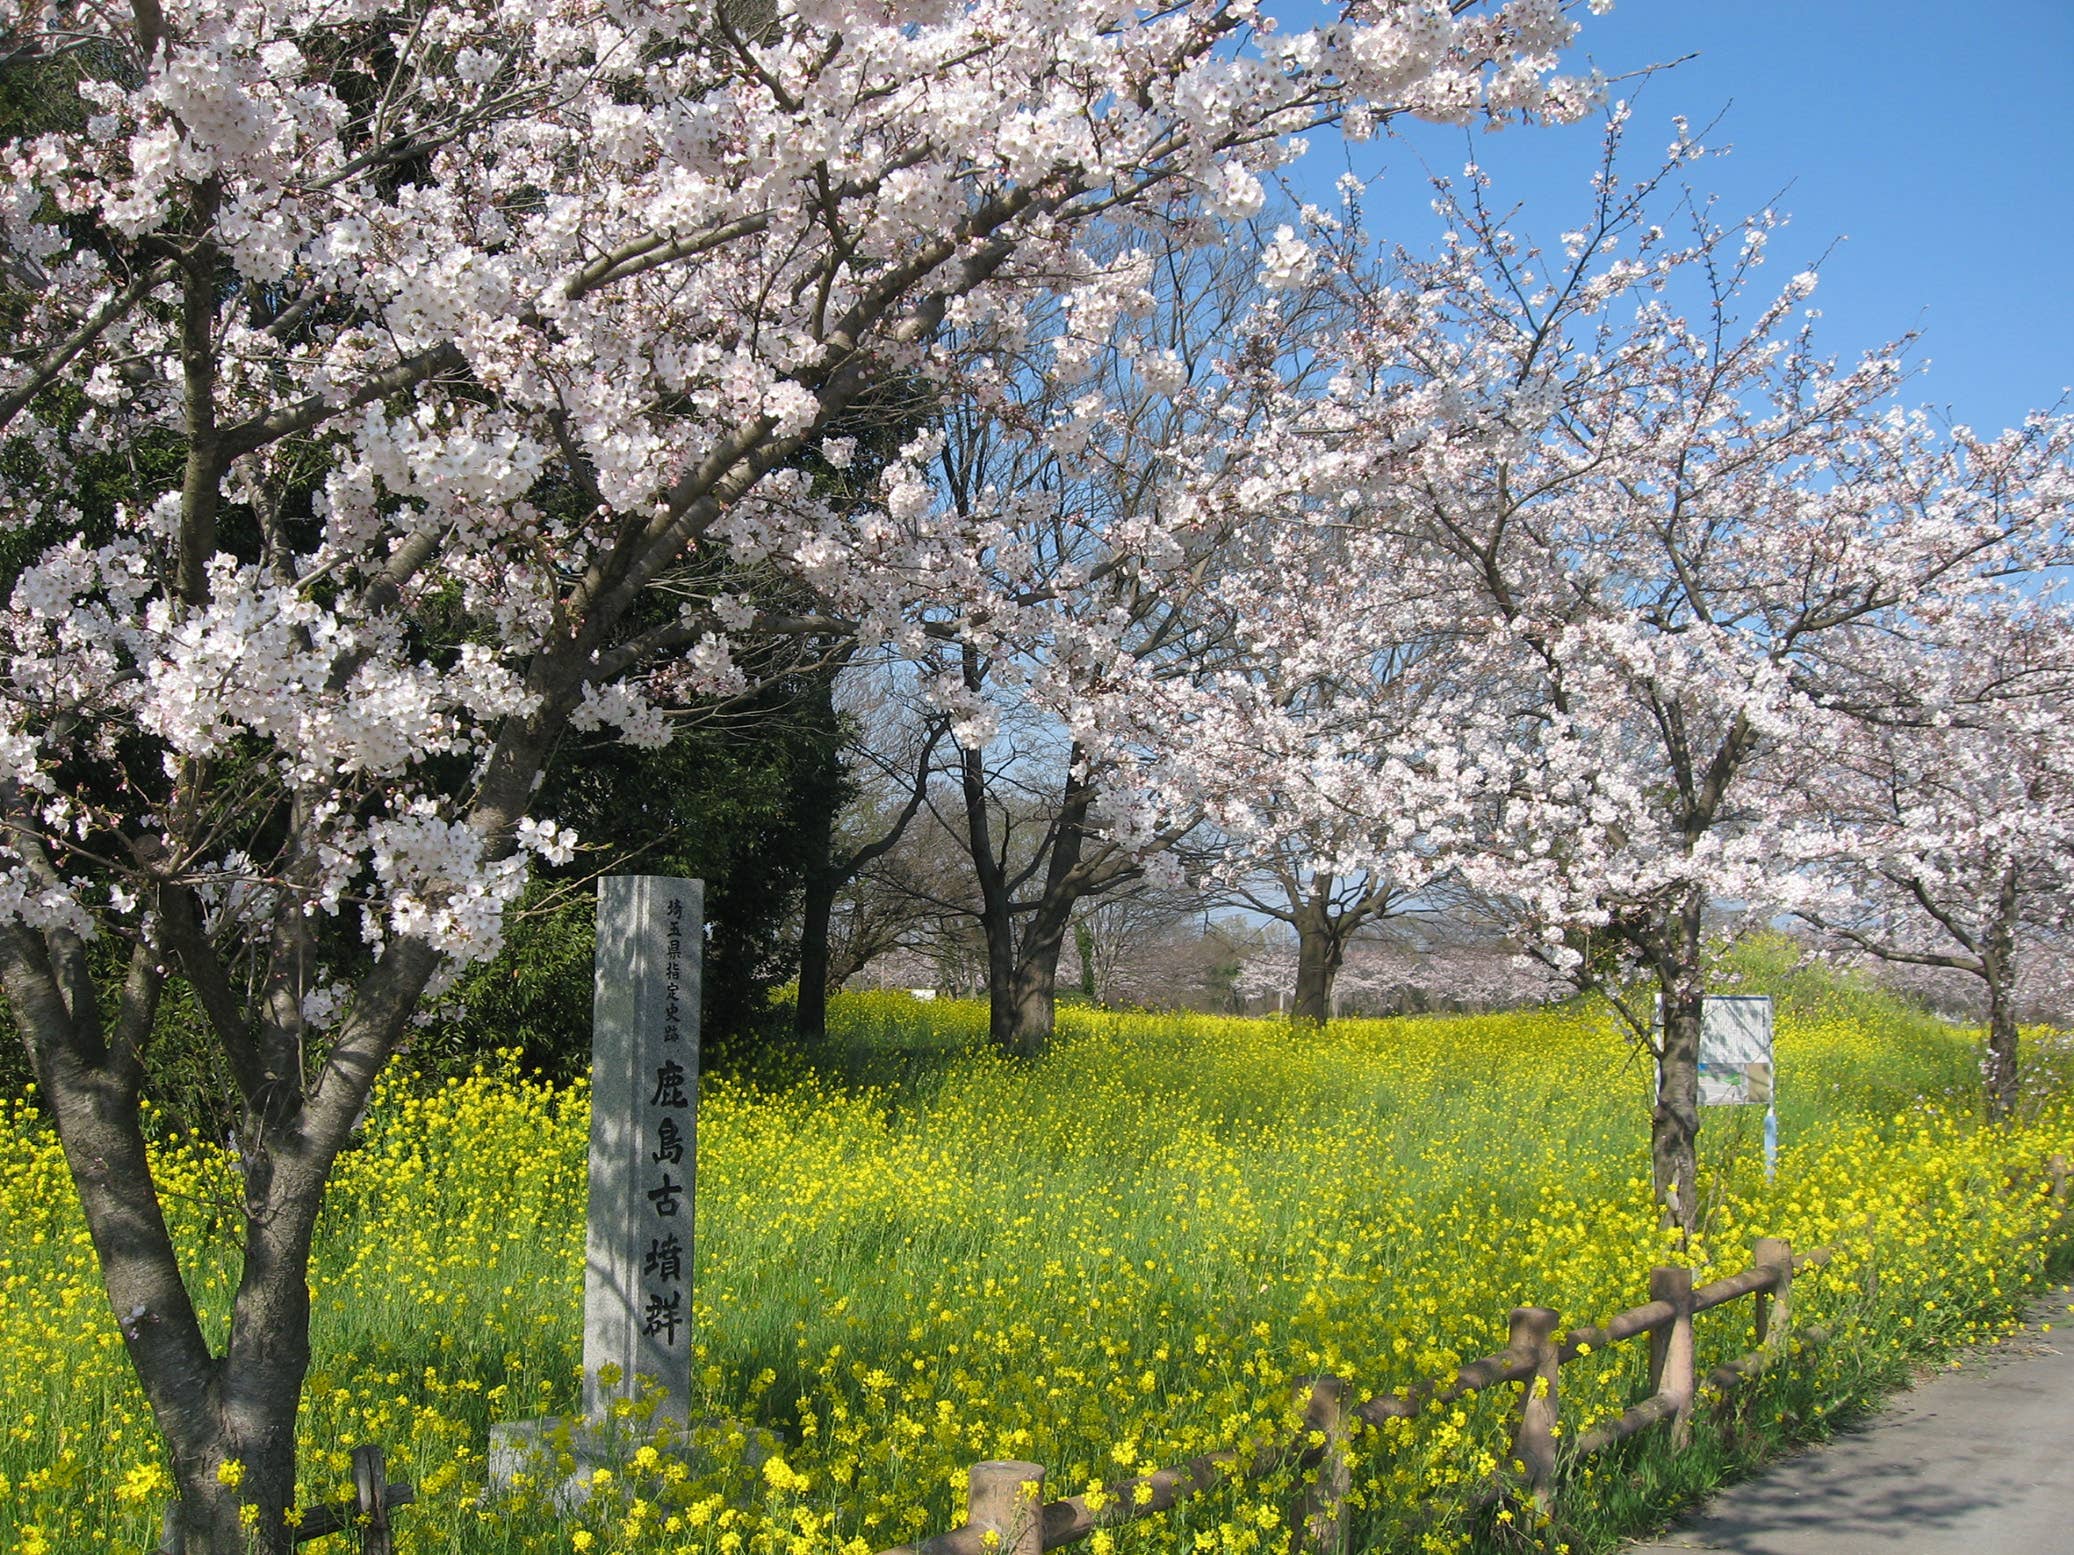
x: 237, y: 1407
x: 258, y: 1385
x: 228, y: 1419
x: 1022, y: 978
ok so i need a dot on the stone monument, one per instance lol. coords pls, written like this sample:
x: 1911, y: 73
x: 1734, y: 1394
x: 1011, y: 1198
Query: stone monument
x: 638, y: 1231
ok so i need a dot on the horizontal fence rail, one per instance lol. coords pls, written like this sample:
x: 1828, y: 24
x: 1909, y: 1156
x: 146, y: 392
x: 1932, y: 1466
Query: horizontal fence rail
x: 1006, y: 1513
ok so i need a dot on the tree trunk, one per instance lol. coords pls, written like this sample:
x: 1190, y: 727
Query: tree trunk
x: 1674, y: 1124
x: 238, y: 1408
x: 1319, y: 956
x: 1033, y: 1011
x: 826, y: 791
x: 257, y: 1386
x: 1084, y: 945
x: 1002, y: 1028
x: 810, y: 1009
x: 1998, y: 1071
x: 1033, y: 990
x: 1033, y: 1003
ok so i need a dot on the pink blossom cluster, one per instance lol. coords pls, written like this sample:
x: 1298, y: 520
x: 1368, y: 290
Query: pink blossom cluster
x: 476, y: 325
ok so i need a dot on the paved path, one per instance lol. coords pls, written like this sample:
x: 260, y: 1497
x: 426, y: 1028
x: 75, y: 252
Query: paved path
x: 1977, y: 1461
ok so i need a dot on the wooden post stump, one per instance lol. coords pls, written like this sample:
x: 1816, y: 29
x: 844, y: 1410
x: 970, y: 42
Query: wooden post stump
x: 371, y: 1492
x: 1006, y: 1497
x: 1774, y: 1306
x: 1532, y: 1337
x: 1671, y: 1356
x: 1318, y: 1515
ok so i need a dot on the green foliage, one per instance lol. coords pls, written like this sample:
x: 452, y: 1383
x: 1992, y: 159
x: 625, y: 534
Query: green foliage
x: 725, y: 803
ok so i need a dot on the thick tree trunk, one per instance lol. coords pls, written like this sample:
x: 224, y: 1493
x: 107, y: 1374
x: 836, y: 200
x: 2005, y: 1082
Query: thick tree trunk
x: 228, y: 1420
x: 1674, y: 1124
x: 238, y: 1408
x: 1002, y: 1029
x: 1033, y: 1004
x: 1319, y: 956
x: 256, y: 1388
x: 1033, y: 988
x: 1998, y: 1066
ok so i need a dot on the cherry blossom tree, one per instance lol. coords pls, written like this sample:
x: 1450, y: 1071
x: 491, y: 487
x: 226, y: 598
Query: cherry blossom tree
x: 1656, y: 534
x: 1325, y: 910
x: 446, y: 348
x: 1042, y: 530
x: 1944, y: 823
x: 887, y: 766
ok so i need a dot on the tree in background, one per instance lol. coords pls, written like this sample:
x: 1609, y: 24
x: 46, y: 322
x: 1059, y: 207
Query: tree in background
x: 1325, y: 911
x: 1667, y: 542
x: 887, y: 763
x: 1944, y: 823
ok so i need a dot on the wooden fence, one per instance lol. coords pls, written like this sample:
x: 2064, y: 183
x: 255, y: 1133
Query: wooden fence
x: 1007, y: 1514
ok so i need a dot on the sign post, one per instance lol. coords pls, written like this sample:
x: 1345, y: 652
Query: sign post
x: 1736, y: 1068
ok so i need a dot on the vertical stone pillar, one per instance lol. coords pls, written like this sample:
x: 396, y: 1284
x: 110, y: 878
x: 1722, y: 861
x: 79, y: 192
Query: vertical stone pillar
x: 643, y: 1142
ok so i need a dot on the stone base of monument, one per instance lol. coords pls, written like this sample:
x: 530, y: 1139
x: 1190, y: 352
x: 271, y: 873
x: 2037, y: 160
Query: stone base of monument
x: 559, y: 1456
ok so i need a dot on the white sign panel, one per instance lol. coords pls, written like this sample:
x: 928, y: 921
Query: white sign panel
x: 1736, y: 1051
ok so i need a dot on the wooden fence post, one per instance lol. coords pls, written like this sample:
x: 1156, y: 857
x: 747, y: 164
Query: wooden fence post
x: 1318, y: 1515
x: 1774, y: 1306
x: 1671, y: 1351
x: 371, y: 1490
x: 1532, y: 1337
x: 1006, y: 1497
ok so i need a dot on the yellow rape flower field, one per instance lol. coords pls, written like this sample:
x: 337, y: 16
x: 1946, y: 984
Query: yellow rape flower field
x: 917, y: 1256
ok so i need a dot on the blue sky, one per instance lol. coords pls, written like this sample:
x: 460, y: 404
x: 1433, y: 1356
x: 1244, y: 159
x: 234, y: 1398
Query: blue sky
x: 1934, y: 139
